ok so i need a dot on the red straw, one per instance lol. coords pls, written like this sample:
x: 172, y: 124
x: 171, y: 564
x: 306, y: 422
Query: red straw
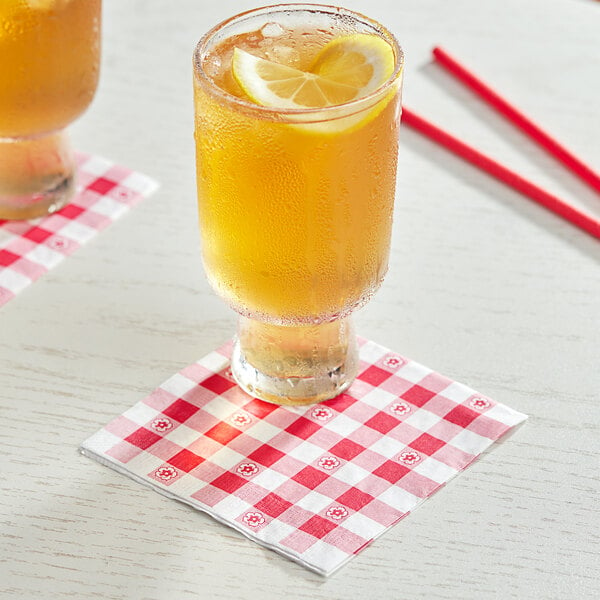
x: 512, y: 179
x: 519, y: 119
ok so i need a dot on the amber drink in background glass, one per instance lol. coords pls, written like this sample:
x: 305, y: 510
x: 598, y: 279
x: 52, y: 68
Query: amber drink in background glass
x: 297, y: 112
x: 49, y: 63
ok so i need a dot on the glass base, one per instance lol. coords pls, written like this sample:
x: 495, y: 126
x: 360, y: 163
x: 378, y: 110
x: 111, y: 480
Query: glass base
x: 295, y: 365
x: 37, y: 176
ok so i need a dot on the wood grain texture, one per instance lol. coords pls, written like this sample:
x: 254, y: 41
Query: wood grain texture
x: 483, y: 286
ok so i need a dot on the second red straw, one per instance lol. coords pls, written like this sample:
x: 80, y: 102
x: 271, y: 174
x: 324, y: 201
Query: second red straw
x: 514, y: 180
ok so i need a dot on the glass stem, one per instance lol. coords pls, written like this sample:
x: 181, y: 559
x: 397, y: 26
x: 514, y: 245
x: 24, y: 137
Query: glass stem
x: 298, y: 364
x: 37, y: 175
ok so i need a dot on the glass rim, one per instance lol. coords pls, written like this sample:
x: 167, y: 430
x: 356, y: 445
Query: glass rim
x: 357, y: 103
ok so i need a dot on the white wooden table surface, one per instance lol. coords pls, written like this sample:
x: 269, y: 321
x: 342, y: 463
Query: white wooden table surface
x: 483, y: 286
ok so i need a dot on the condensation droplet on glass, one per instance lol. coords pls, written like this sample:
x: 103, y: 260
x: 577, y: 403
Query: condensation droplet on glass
x: 272, y: 30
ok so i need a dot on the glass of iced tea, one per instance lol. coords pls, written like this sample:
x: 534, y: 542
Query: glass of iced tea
x: 49, y: 63
x: 297, y: 110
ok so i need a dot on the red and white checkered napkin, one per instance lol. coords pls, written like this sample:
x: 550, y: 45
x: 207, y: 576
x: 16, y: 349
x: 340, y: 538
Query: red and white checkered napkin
x: 28, y: 249
x: 315, y: 483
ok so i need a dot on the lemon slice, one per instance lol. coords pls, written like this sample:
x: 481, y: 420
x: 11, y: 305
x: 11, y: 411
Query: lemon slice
x: 279, y: 86
x: 362, y: 61
x: 347, y: 68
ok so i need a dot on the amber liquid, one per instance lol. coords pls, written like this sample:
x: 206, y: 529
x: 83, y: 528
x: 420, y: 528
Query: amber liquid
x: 295, y: 219
x: 49, y: 60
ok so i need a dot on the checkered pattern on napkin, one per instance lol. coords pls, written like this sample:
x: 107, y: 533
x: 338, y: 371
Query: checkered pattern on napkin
x: 28, y: 249
x: 315, y: 483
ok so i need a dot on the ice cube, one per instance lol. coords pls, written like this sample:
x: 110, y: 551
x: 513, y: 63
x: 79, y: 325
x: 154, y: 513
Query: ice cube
x: 212, y: 66
x: 272, y: 30
x: 284, y: 55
